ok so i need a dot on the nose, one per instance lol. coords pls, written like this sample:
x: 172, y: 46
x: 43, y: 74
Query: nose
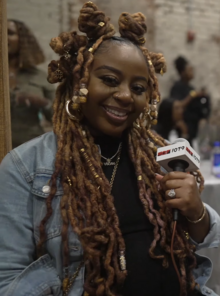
x: 123, y: 96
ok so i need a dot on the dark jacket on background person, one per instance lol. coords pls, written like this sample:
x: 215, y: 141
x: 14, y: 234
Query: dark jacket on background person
x: 198, y: 108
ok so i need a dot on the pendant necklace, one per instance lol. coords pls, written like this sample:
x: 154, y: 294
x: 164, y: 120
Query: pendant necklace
x: 108, y: 161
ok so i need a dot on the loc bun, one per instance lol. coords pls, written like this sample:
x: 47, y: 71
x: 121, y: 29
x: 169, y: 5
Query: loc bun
x: 158, y: 62
x: 93, y: 22
x: 68, y: 42
x: 133, y: 27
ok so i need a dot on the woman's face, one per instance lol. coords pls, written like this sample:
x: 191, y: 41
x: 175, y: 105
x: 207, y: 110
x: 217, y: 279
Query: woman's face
x: 13, y: 39
x: 118, y: 89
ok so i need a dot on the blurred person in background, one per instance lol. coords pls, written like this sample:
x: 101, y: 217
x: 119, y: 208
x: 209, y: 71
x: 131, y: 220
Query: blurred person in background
x: 30, y: 93
x: 171, y: 117
x: 198, y: 108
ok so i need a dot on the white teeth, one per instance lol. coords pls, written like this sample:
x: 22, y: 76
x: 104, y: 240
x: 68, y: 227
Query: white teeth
x: 117, y: 113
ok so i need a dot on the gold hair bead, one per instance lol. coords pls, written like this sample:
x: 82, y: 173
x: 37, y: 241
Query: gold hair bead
x: 187, y: 235
x: 155, y: 149
x: 90, y: 2
x: 65, y: 283
x: 82, y: 150
x: 75, y: 106
x: 158, y: 99
x: 151, y: 145
x: 90, y: 50
x: 153, y: 113
x: 142, y: 40
x: 82, y: 99
x: 101, y: 24
x: 161, y: 71
x: 150, y: 62
x: 139, y: 178
x: 154, y: 121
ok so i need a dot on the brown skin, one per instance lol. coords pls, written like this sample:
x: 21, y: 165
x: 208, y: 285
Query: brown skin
x: 13, y: 53
x: 119, y: 80
x: 187, y: 200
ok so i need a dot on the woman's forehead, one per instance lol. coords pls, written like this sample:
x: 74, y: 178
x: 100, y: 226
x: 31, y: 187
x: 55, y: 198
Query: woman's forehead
x: 122, y: 54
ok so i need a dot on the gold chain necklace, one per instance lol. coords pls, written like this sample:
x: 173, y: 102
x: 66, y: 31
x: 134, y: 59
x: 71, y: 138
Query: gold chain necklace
x: 68, y: 282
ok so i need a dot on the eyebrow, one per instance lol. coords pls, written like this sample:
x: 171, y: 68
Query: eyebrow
x: 119, y: 72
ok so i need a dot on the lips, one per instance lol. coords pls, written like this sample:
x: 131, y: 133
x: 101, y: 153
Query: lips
x: 117, y: 115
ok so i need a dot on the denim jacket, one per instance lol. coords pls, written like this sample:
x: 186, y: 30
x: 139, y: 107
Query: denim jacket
x: 24, y: 173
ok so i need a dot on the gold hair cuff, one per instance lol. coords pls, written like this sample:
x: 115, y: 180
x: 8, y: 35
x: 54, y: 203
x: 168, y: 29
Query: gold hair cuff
x: 201, y: 218
x: 90, y: 50
x: 101, y: 24
x: 150, y: 62
x: 142, y: 40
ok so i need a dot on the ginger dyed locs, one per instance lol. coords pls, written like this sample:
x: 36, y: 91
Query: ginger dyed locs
x: 133, y: 28
x: 87, y: 205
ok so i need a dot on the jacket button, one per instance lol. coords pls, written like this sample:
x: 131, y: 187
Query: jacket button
x: 46, y: 189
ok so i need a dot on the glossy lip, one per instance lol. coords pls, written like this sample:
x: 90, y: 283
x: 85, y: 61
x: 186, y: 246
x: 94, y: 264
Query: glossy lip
x: 114, y: 118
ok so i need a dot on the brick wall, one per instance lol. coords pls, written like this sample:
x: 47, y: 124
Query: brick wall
x: 168, y: 22
x: 172, y: 20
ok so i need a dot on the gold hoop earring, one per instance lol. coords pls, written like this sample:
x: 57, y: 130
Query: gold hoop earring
x: 71, y: 116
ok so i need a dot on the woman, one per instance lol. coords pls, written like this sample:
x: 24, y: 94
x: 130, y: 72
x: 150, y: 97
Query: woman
x: 29, y: 91
x: 85, y: 207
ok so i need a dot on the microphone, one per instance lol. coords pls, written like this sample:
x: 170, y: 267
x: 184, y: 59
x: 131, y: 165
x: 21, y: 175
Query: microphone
x: 178, y: 157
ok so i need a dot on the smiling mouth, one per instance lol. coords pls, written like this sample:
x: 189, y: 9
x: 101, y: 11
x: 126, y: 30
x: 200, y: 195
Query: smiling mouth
x: 119, y: 113
x: 115, y: 114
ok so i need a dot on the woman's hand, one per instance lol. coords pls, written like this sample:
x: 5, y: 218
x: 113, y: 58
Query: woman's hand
x: 187, y: 198
x: 187, y: 201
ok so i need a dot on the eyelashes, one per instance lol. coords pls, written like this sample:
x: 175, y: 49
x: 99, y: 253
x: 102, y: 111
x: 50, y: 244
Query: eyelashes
x: 114, y: 82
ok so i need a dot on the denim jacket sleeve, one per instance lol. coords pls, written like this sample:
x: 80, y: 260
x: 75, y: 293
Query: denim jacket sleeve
x: 212, y: 240
x: 204, y: 265
x: 20, y: 274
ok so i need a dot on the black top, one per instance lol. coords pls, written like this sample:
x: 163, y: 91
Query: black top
x: 146, y: 276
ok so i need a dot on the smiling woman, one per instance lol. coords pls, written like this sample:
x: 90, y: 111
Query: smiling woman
x: 87, y: 204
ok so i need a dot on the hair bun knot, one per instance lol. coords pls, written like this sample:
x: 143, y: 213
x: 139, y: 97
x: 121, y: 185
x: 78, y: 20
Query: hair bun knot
x: 133, y: 27
x: 93, y: 22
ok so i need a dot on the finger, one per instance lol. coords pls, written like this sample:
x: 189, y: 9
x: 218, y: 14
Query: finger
x: 169, y: 193
x: 173, y: 184
x: 158, y: 177
x: 174, y: 175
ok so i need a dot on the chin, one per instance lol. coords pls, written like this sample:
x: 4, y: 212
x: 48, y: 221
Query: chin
x: 113, y: 132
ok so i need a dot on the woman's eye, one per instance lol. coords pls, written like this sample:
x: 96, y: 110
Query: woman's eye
x: 109, y: 80
x: 139, y: 89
